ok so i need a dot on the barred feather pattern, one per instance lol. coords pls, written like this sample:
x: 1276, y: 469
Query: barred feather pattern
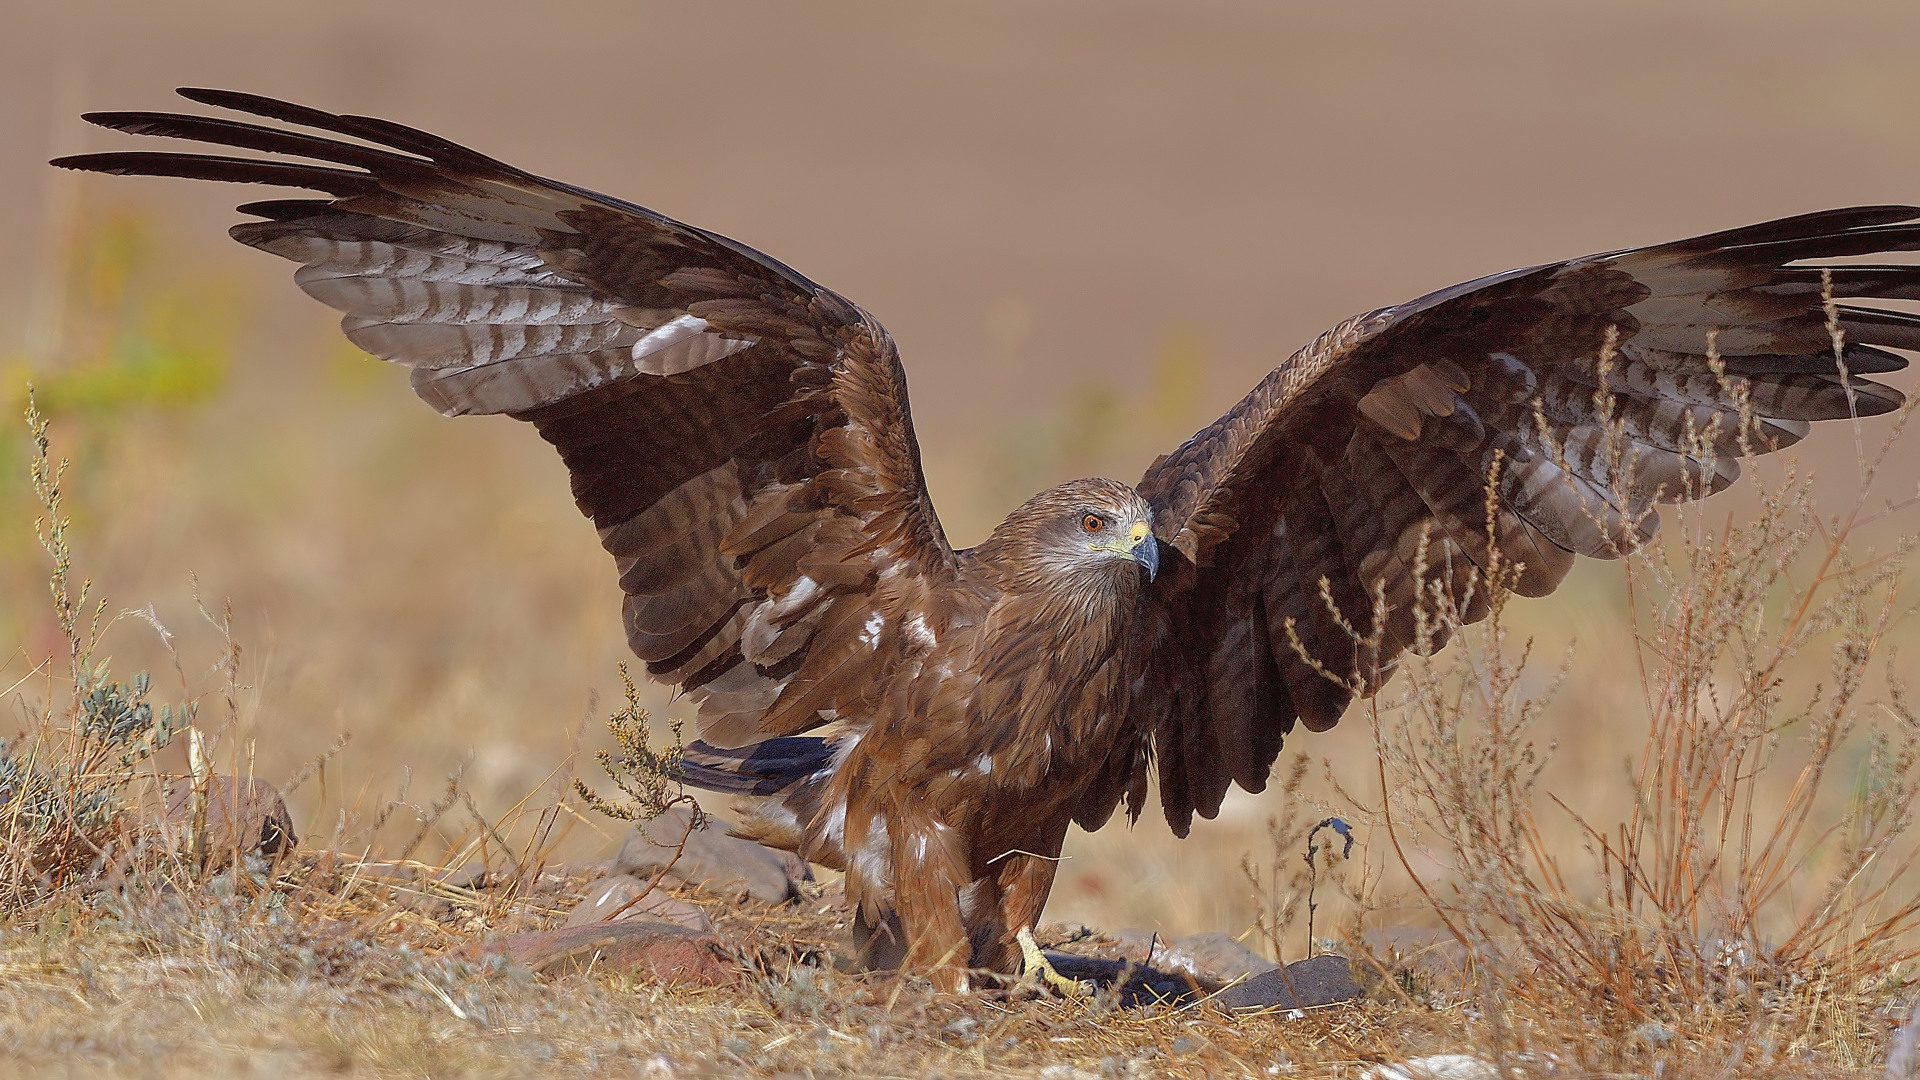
x: 1583, y: 391
x: 738, y: 434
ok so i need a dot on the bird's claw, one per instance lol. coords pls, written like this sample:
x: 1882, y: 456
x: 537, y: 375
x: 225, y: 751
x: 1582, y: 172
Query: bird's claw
x: 1034, y: 963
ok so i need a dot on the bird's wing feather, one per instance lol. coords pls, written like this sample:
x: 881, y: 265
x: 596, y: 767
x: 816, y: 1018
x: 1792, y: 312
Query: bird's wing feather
x: 1363, y: 462
x: 739, y: 434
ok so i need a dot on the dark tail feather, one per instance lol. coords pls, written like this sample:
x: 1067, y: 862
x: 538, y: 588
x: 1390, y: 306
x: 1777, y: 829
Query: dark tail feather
x: 763, y: 768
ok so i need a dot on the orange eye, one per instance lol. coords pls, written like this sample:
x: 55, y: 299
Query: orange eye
x: 1092, y: 523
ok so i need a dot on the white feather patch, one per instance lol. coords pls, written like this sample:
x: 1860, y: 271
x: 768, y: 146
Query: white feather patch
x: 873, y: 860
x: 681, y: 345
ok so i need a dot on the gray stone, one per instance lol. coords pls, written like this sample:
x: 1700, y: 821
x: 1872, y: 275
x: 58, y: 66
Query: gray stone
x: 1323, y: 980
x: 796, y: 867
x: 710, y: 858
x: 1903, y: 1054
x: 1215, y: 957
x: 610, y: 895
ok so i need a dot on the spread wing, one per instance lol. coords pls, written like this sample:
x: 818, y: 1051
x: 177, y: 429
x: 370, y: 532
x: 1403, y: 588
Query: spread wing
x: 739, y: 434
x: 1583, y: 389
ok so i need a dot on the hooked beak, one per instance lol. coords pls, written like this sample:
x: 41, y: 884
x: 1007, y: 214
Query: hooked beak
x: 1146, y: 552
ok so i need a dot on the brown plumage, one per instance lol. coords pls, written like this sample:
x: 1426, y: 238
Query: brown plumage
x: 930, y: 720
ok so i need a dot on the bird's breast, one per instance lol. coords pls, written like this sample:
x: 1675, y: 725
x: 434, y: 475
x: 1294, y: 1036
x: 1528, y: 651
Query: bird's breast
x: 1043, y: 707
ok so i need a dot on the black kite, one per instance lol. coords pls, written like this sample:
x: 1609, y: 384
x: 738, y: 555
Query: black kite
x: 740, y: 436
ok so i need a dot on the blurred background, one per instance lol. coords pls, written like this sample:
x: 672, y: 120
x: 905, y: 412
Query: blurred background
x: 1090, y: 226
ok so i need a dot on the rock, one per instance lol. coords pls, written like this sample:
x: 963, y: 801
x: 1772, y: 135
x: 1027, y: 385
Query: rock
x: 711, y: 859
x: 1903, y: 1054
x: 649, y: 948
x: 609, y: 895
x: 1211, y: 958
x: 1435, y: 1067
x: 1218, y: 958
x: 796, y: 867
x: 1323, y: 980
x: 244, y: 816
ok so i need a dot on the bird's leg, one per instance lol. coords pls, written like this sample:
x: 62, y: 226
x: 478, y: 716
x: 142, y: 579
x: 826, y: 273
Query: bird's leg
x: 1025, y: 879
x: 1034, y: 963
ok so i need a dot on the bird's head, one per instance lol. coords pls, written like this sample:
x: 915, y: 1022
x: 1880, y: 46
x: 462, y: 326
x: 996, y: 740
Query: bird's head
x: 1083, y: 530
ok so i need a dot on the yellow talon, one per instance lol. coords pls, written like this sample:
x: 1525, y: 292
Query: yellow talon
x: 1034, y: 962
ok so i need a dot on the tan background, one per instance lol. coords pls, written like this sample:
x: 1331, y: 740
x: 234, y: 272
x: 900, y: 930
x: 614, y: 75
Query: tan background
x: 1042, y: 200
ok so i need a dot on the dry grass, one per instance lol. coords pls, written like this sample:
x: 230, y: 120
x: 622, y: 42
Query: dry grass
x: 1691, y: 860
x: 1738, y: 899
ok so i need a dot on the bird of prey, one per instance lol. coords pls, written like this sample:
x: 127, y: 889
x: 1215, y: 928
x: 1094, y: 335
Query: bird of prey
x: 930, y: 719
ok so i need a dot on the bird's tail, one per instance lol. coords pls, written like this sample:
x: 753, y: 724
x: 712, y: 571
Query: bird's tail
x: 782, y: 783
x: 763, y: 768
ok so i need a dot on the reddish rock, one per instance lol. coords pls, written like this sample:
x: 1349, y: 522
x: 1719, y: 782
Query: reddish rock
x: 648, y: 948
x: 244, y: 816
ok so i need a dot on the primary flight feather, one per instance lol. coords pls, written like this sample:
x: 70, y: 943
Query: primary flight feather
x: 929, y: 720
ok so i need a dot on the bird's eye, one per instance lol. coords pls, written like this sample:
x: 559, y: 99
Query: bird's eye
x: 1093, y: 523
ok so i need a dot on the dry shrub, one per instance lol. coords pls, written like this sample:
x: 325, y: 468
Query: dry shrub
x: 650, y: 779
x: 1742, y: 901
x: 68, y: 785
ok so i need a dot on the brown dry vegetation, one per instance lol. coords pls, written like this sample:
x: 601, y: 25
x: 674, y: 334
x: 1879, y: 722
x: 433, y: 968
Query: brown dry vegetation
x: 1742, y: 902
x: 1740, y: 916
x: 1677, y: 846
